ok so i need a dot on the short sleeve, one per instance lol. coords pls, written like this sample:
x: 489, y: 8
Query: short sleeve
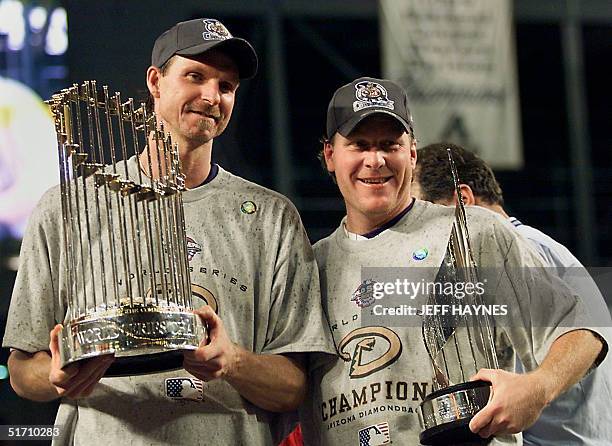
x: 34, y: 309
x: 296, y: 320
x: 541, y: 307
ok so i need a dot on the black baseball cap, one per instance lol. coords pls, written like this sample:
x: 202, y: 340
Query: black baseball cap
x: 200, y: 35
x: 364, y: 97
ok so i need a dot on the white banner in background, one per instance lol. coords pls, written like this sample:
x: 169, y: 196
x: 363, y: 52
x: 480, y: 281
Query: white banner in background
x: 456, y: 59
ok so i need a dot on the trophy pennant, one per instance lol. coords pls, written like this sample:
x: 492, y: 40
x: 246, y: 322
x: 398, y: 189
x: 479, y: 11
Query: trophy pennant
x: 458, y: 345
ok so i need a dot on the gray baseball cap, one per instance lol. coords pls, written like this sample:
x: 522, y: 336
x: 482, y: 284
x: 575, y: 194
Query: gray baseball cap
x: 364, y: 97
x: 200, y: 35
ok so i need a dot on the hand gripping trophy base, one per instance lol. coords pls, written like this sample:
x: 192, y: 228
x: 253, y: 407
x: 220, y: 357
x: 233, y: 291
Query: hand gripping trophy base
x: 144, y: 338
x: 446, y: 414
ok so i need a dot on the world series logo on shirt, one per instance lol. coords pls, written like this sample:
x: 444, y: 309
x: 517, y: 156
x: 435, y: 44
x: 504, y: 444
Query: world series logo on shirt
x: 375, y: 435
x: 363, y: 296
x: 193, y: 248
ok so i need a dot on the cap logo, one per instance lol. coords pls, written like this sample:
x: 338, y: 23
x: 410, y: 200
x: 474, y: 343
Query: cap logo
x: 215, y: 30
x: 371, y: 94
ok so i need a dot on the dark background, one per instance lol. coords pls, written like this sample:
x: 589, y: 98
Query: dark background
x: 118, y: 53
x: 110, y: 41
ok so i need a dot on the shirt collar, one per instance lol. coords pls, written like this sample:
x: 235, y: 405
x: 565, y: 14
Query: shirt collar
x: 384, y: 227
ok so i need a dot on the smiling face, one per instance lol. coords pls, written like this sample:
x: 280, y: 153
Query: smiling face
x: 195, y: 96
x: 373, y: 168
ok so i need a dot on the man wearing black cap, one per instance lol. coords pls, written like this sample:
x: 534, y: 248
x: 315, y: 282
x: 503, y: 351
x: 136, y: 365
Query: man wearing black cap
x: 253, y: 276
x: 370, y: 394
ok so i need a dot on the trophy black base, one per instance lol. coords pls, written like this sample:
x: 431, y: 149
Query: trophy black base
x: 446, y: 414
x: 145, y: 364
x: 453, y: 433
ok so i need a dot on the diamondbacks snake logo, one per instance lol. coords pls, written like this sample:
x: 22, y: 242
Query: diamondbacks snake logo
x: 381, y: 342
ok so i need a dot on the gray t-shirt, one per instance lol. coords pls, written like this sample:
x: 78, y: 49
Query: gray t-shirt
x: 251, y: 262
x: 384, y: 372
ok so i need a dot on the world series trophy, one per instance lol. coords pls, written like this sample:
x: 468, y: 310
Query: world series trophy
x: 458, y: 345
x: 126, y: 288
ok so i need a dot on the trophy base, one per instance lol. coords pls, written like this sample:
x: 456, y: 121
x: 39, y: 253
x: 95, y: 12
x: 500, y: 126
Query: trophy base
x: 144, y: 364
x: 143, y: 338
x: 446, y: 414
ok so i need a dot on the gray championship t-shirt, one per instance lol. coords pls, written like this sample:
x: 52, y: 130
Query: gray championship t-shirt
x: 371, y: 393
x: 250, y: 260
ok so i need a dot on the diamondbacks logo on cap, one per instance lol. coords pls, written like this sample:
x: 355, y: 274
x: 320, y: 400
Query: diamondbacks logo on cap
x: 193, y: 248
x: 371, y: 94
x: 375, y: 435
x: 185, y: 388
x: 215, y: 30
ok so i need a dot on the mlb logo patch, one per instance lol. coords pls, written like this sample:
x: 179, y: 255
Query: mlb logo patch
x: 184, y: 389
x: 375, y: 435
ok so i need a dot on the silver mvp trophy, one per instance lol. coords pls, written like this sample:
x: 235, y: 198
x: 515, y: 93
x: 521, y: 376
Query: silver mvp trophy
x: 126, y: 288
x: 458, y: 345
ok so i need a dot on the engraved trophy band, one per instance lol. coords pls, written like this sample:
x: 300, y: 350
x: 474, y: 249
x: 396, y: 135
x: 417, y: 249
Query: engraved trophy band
x: 144, y: 339
x: 446, y: 413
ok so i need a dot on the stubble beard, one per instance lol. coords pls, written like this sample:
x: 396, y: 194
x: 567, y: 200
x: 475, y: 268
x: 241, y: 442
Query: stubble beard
x: 206, y: 128
x: 204, y: 131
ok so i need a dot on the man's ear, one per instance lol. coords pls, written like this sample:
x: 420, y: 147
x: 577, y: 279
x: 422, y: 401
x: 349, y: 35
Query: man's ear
x: 468, y: 195
x: 153, y: 77
x: 328, y: 151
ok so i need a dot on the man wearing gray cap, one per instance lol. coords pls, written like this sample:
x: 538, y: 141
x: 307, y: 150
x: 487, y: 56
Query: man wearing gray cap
x: 253, y: 275
x: 370, y: 394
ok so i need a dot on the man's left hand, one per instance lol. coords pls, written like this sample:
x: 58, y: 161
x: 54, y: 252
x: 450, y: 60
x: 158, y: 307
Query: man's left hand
x: 217, y: 354
x: 516, y: 402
